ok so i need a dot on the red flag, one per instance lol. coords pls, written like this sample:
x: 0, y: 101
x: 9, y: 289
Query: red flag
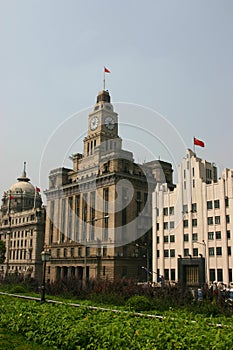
x: 106, y: 70
x: 11, y: 197
x: 198, y: 142
x: 37, y: 189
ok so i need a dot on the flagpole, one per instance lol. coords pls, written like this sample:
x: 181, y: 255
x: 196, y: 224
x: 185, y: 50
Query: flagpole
x: 104, y: 80
x: 194, y: 145
x: 35, y: 199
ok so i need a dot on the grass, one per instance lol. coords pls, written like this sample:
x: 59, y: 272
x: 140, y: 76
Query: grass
x: 13, y: 341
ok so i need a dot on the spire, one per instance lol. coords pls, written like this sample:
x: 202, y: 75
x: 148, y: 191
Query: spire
x: 24, y: 177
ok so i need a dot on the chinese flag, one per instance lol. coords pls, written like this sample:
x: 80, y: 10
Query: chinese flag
x: 106, y: 70
x: 198, y: 142
x: 37, y: 189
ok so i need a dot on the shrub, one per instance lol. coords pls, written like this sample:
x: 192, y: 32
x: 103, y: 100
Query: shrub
x: 139, y: 303
x: 18, y: 289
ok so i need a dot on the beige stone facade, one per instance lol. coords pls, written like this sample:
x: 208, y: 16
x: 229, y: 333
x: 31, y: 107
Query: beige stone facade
x: 101, y: 208
x: 193, y: 224
x: 22, y: 226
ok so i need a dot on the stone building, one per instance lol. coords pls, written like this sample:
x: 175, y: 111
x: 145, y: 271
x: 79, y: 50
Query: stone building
x: 22, y: 227
x: 193, y: 225
x: 99, y: 212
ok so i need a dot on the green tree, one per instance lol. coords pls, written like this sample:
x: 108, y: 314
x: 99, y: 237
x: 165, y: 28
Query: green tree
x: 2, y: 252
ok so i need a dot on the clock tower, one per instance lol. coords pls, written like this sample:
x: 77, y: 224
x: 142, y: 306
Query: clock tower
x: 102, y: 125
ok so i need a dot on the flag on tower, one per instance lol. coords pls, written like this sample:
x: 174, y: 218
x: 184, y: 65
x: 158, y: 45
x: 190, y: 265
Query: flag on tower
x: 198, y: 142
x: 106, y: 70
x: 37, y: 189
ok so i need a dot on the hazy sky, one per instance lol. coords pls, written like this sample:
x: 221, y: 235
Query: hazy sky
x: 174, y: 57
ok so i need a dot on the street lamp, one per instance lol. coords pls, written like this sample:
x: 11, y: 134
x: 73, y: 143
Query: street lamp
x: 45, y: 256
x: 85, y: 256
x: 147, y: 259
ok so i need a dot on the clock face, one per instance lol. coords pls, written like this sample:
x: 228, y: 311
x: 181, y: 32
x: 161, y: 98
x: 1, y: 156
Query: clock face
x: 94, y: 123
x: 109, y: 123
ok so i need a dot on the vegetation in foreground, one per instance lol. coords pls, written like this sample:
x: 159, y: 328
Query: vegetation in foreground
x: 69, y: 328
x: 14, y: 341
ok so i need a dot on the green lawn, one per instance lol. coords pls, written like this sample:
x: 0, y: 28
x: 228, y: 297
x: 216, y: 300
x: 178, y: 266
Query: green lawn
x: 12, y: 341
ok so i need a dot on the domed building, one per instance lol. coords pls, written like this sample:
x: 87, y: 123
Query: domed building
x: 22, y: 225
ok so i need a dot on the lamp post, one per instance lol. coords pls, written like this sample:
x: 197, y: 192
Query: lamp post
x: 85, y: 255
x: 203, y: 243
x: 146, y: 247
x: 45, y: 256
x: 8, y: 252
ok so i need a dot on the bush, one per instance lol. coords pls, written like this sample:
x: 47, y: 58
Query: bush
x: 18, y: 289
x: 138, y: 303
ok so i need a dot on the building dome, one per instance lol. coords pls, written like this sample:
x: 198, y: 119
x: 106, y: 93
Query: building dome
x: 23, y: 186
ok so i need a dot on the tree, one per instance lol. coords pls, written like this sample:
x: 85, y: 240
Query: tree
x: 2, y: 252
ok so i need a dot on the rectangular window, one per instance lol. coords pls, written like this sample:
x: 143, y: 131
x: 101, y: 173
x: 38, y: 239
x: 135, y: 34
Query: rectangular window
x: 173, y: 274
x: 219, y: 275
x: 211, y: 251
x: 210, y: 220
x: 171, y: 210
x: 165, y: 239
x: 217, y: 220
x: 186, y: 252
x: 157, y: 226
x: 158, y: 254
x: 194, y: 222
x: 172, y: 253
x: 227, y: 202
x: 166, y: 253
x: 209, y: 205
x: 210, y: 236
x: 194, y: 207
x: 186, y: 237
x: 79, y: 251
x: 157, y: 239
x: 217, y: 204
x: 172, y: 224
x: 194, y: 236
x: 186, y: 223
x: 195, y: 251
x: 165, y: 211
x: 228, y: 234
x: 172, y: 238
x: 229, y: 250
x: 219, y: 251
x: 166, y: 274
x: 165, y: 225
x: 227, y: 219
x: 230, y: 275
x: 218, y: 234
x: 104, y: 251
x: 185, y: 208
x: 212, y: 275
x: 58, y: 253
x: 72, y: 252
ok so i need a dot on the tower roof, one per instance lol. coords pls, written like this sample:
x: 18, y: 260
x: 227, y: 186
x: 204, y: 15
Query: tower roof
x: 103, y: 96
x: 23, y: 185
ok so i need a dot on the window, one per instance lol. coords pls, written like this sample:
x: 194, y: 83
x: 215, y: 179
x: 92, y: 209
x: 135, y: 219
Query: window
x: 211, y: 251
x: 165, y: 211
x: 166, y: 274
x: 194, y: 236
x: 219, y: 275
x: 209, y: 205
x: 186, y: 252
x: 165, y: 239
x: 229, y: 250
x: 217, y: 220
x: 58, y: 253
x: 157, y: 226
x: 194, y: 207
x: 219, y: 251
x: 218, y: 234
x: 228, y: 234
x: 172, y: 253
x: 210, y: 236
x: 158, y: 254
x: 210, y: 220
x: 165, y: 225
x: 172, y: 238
x: 172, y: 224
x: 227, y: 202
x: 227, y: 219
x: 212, y: 275
x: 79, y: 251
x: 166, y: 253
x: 72, y: 252
x: 65, y: 253
x: 195, y: 251
x: 185, y: 208
x: 171, y: 210
x: 157, y: 239
x: 217, y: 204
x: 186, y: 223
x: 194, y: 222
x: 104, y: 251
x: 186, y: 237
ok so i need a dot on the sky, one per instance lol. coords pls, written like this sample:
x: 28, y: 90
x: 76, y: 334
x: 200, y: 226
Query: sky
x: 171, y: 78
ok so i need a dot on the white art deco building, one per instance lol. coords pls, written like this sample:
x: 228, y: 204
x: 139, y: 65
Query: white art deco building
x: 193, y: 225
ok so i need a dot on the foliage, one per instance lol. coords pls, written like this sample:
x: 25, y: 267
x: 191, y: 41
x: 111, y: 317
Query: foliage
x: 13, y: 341
x: 65, y: 327
x: 138, y: 303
